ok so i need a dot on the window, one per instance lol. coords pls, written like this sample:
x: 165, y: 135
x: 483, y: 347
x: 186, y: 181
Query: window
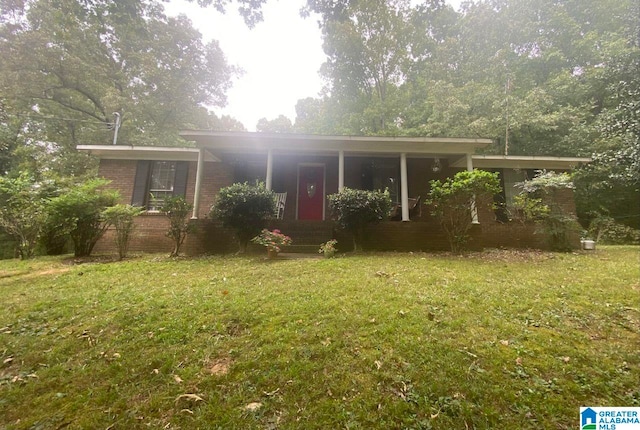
x: 161, y: 184
x: 156, y: 181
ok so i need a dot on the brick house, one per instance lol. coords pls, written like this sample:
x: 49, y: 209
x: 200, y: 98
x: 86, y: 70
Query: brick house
x: 303, y: 170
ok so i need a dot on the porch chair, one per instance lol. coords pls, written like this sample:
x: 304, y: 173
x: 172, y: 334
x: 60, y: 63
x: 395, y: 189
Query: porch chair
x: 415, y: 209
x: 281, y: 200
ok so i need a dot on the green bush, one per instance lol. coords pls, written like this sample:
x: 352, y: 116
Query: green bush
x: 606, y: 230
x: 22, y: 212
x: 245, y: 209
x: 551, y: 218
x: 78, y: 210
x: 178, y: 211
x: 355, y: 209
x: 122, y: 218
x: 454, y: 200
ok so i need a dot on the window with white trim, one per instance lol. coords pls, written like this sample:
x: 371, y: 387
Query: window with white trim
x: 161, y: 183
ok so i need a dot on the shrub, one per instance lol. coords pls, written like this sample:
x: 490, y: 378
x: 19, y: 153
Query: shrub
x: 272, y: 240
x: 454, y: 199
x: 22, y: 212
x: 604, y: 229
x: 552, y: 219
x: 178, y: 211
x: 355, y: 209
x: 122, y: 218
x: 78, y: 210
x: 245, y: 209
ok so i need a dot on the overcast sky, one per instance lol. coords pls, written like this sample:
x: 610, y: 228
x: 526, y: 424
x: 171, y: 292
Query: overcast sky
x: 280, y: 57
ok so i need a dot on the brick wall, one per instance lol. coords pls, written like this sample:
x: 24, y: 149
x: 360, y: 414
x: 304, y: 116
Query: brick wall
x: 122, y: 175
x: 425, y: 234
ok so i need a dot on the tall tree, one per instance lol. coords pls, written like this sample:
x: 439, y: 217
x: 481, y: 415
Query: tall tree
x: 69, y: 65
x: 366, y: 44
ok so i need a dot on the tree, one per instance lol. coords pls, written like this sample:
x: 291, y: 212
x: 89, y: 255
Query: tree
x: 22, y: 212
x: 281, y: 124
x: 178, y: 211
x: 354, y: 210
x: 454, y: 199
x: 366, y: 44
x: 69, y: 65
x: 245, y: 209
x: 79, y: 211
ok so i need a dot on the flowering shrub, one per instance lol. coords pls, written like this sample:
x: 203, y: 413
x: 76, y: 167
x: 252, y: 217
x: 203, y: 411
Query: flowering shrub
x: 328, y: 247
x: 273, y: 240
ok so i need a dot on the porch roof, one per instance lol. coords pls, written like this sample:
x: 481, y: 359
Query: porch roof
x: 251, y: 142
x: 523, y: 162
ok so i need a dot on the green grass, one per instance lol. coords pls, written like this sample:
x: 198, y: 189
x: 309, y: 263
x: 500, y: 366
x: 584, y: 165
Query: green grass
x: 391, y: 341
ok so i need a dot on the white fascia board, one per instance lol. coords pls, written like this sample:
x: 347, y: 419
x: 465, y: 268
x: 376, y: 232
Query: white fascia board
x: 121, y: 152
x: 523, y: 162
x: 250, y: 142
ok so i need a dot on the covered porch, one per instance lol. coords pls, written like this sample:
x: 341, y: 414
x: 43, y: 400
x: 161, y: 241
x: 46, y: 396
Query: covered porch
x: 307, y: 168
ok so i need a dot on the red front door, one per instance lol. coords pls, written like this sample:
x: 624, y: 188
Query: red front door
x: 310, y: 192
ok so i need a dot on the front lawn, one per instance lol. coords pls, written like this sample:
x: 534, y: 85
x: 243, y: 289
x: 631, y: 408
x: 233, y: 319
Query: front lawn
x: 502, y: 339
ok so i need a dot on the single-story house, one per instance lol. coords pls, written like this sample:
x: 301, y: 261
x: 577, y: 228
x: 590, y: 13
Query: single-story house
x: 303, y: 170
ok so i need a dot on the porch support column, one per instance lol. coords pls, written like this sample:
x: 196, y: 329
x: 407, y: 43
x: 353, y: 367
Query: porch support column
x: 474, y: 209
x: 404, y: 187
x: 196, y: 194
x: 269, y: 180
x: 340, y: 170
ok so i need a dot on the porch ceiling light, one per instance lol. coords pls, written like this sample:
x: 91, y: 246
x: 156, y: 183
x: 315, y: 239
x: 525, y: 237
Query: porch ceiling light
x: 436, y: 166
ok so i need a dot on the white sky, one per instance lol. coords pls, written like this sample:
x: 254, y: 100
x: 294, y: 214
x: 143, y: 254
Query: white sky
x: 280, y: 56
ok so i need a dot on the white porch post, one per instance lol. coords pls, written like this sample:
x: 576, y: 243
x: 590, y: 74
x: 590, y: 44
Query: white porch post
x: 404, y: 187
x: 196, y: 194
x: 340, y: 170
x: 269, y: 180
x: 474, y: 209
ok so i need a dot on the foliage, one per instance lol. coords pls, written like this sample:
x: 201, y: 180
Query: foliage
x: 454, y: 199
x: 361, y: 327
x: 179, y: 213
x: 245, y: 209
x: 552, y: 218
x: 328, y: 248
x: 22, y: 212
x: 272, y: 240
x: 69, y: 65
x: 355, y: 209
x: 281, y: 124
x: 122, y: 218
x: 79, y: 211
x: 605, y: 230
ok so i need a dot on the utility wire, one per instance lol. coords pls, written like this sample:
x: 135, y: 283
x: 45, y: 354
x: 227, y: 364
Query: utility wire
x: 57, y: 118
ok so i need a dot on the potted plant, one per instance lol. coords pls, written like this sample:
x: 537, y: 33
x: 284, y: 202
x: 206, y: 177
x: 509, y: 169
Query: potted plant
x: 272, y: 240
x: 328, y: 248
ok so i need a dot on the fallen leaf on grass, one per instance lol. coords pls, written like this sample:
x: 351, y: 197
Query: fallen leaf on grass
x: 519, y: 361
x: 7, y: 360
x: 253, y: 406
x: 271, y: 393
x: 504, y: 342
x: 566, y: 359
x: 190, y: 397
x: 177, y: 379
